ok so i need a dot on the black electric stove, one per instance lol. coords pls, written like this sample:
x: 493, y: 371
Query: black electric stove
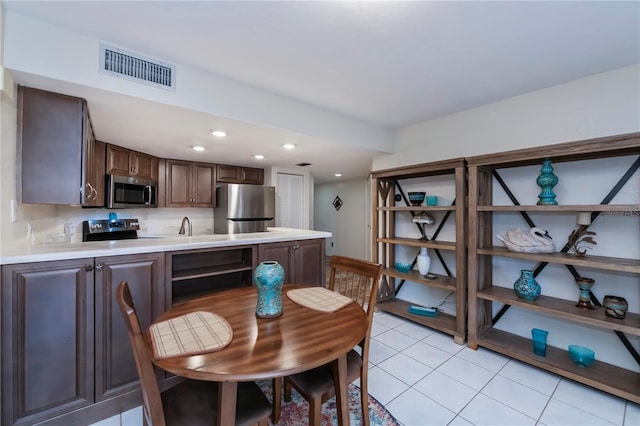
x: 107, y: 230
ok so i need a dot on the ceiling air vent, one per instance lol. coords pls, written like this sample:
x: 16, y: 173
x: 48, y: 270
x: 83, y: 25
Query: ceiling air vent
x: 129, y: 66
x: 303, y: 164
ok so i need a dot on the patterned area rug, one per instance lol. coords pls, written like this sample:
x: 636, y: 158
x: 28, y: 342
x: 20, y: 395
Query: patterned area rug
x: 296, y: 412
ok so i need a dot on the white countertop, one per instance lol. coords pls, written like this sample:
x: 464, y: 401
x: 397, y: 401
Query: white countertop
x: 62, y: 251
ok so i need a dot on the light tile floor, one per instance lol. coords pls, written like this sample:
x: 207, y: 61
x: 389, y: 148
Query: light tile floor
x: 423, y: 378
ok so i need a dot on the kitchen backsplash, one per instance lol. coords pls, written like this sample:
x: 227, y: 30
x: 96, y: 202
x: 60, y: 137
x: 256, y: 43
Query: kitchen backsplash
x: 42, y: 224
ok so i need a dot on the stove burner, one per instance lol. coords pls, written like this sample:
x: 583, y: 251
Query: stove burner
x: 106, y: 230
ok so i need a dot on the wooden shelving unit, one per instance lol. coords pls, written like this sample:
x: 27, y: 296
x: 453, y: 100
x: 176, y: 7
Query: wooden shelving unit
x: 386, y: 213
x: 483, y: 291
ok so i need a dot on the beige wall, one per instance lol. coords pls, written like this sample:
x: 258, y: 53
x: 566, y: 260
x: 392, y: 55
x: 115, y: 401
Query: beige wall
x: 350, y: 224
x: 600, y: 105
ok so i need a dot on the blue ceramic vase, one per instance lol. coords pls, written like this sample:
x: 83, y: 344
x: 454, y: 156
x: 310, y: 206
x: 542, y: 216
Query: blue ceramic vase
x: 269, y: 277
x: 526, y: 287
x: 546, y: 181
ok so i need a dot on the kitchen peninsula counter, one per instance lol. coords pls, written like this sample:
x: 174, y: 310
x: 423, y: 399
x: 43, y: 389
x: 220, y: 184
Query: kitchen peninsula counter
x: 58, y: 304
x: 66, y: 251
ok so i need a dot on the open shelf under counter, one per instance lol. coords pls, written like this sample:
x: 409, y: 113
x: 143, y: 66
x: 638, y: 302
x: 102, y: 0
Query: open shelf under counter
x: 619, y: 208
x: 210, y: 271
x: 441, y: 281
x: 596, y: 262
x: 609, y: 378
x: 442, y: 322
x: 415, y: 242
x: 566, y: 309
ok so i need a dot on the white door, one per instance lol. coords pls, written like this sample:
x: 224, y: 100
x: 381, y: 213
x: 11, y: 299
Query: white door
x: 290, y: 201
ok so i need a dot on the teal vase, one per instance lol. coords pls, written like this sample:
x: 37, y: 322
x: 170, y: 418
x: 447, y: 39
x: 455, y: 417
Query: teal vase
x: 526, y: 287
x: 546, y: 181
x: 269, y: 276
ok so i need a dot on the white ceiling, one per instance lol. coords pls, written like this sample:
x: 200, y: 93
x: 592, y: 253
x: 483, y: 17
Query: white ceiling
x: 390, y: 63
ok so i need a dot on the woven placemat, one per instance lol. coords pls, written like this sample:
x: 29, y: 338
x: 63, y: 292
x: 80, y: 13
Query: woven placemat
x: 193, y: 333
x: 319, y: 298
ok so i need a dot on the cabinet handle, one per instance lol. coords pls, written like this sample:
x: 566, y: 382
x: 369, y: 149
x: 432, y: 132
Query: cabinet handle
x: 88, y: 267
x: 295, y: 246
x: 99, y: 266
x: 95, y: 191
x: 88, y: 196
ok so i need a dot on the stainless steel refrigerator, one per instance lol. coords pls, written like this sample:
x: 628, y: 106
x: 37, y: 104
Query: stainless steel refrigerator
x: 244, y: 208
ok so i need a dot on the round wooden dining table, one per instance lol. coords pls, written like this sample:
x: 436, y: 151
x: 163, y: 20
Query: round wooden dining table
x: 300, y: 339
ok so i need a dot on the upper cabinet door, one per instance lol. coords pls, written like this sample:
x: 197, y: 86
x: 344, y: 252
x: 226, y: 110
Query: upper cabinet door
x: 237, y: 174
x: 145, y: 166
x: 178, y: 188
x: 118, y: 161
x: 204, y: 184
x: 52, y: 148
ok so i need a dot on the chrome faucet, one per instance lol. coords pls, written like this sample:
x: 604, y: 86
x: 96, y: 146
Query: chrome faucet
x: 181, y: 231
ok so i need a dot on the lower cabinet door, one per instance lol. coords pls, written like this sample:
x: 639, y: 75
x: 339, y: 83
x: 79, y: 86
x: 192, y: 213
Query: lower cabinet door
x: 115, y: 366
x: 282, y: 253
x: 47, y: 339
x: 310, y: 264
x: 303, y: 261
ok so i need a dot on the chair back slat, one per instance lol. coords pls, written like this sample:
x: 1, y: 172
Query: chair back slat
x: 152, y: 402
x: 359, y: 280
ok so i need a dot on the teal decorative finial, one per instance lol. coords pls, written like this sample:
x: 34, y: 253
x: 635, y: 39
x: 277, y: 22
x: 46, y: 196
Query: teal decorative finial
x: 546, y: 181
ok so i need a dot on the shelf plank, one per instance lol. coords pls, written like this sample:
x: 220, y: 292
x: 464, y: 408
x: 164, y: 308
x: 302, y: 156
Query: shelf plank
x: 415, y: 242
x: 209, y: 271
x: 598, y: 262
x: 417, y: 208
x: 565, y: 309
x: 600, y: 375
x: 441, y: 281
x: 620, y: 209
x: 443, y: 322
x: 608, y: 146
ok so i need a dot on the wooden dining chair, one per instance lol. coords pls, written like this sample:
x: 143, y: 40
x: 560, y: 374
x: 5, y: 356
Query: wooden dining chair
x: 357, y: 279
x: 191, y: 402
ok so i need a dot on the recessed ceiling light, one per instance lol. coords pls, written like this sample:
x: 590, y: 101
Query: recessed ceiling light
x: 288, y: 146
x: 258, y: 156
x: 198, y: 148
x: 338, y: 175
x: 218, y: 133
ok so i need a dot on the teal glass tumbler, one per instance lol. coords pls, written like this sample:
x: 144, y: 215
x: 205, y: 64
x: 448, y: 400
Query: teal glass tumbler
x: 539, y: 341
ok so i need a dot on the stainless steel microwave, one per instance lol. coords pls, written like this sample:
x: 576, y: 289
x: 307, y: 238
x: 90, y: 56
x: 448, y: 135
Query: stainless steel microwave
x: 128, y: 192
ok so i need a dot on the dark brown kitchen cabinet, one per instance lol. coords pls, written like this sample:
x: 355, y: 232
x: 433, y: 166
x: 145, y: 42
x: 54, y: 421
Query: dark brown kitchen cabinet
x: 126, y: 162
x: 303, y: 261
x: 190, y: 184
x: 237, y: 174
x: 57, y: 154
x: 114, y: 364
x: 47, y: 339
x: 66, y: 356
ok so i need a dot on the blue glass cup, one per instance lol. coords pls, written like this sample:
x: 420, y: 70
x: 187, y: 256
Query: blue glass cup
x: 539, y: 341
x: 432, y: 200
